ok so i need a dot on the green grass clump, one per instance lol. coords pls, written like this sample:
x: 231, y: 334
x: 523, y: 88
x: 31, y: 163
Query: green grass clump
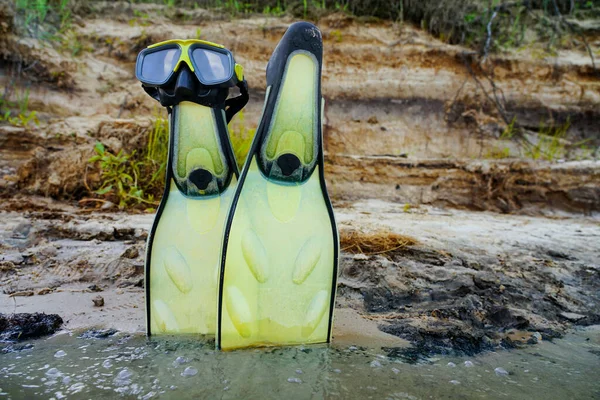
x: 43, y: 18
x: 137, y: 178
x: 241, y: 138
x: 551, y: 143
x: 22, y: 116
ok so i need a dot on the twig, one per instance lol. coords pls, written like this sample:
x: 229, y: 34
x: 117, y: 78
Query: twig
x: 90, y: 200
x: 488, y: 40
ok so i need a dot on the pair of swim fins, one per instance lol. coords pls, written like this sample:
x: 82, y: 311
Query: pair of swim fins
x: 255, y: 264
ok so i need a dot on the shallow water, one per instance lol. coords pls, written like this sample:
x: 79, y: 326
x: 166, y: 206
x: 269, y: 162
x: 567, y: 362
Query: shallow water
x: 67, y: 366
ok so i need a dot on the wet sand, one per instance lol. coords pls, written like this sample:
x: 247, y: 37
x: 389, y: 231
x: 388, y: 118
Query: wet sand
x: 474, y: 281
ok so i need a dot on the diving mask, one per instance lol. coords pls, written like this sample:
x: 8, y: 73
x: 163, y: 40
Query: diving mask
x: 193, y: 70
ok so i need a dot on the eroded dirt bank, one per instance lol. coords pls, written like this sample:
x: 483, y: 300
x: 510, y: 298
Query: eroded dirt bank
x: 390, y: 90
x: 499, y: 185
x: 473, y: 281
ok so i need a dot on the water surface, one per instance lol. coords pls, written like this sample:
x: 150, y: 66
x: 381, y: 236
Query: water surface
x: 133, y: 367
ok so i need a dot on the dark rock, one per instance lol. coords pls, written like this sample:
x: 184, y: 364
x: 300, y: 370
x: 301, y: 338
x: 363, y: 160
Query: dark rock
x: 503, y: 318
x: 131, y: 252
x: 15, y: 348
x: 95, y: 288
x: 22, y: 326
x: 98, y: 333
x: 443, y: 338
x: 381, y: 299
x: 560, y: 255
x: 133, y: 282
x: 98, y: 301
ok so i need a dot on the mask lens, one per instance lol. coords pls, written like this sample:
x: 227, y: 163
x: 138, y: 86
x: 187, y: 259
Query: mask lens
x: 211, y: 66
x: 158, y: 65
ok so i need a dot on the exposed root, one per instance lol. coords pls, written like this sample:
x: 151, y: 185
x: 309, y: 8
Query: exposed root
x: 380, y: 242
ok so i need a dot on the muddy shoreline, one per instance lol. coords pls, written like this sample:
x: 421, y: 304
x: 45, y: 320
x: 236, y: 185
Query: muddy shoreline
x: 473, y: 282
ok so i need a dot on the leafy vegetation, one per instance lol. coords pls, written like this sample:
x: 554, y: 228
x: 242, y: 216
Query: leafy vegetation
x: 43, y: 18
x: 550, y: 144
x: 136, y: 178
x: 22, y: 116
x: 241, y: 138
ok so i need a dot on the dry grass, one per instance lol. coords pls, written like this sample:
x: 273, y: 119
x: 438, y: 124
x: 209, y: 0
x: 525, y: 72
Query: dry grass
x: 379, y: 242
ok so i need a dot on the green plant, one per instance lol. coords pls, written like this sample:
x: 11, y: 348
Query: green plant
x: 136, y: 178
x: 69, y: 41
x: 275, y: 10
x: 550, y: 143
x: 337, y: 35
x: 241, y: 138
x: 23, y: 117
x: 44, y: 17
x: 498, y: 152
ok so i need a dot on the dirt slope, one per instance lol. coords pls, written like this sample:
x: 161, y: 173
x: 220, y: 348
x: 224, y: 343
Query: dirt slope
x: 388, y: 91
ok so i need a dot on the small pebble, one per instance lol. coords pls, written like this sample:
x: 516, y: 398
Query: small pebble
x: 469, y: 364
x: 501, y: 371
x: 98, y: 301
x: 375, y: 364
x: 294, y: 380
x: 395, y: 370
x: 60, y: 354
x: 454, y: 382
x: 299, y: 371
x: 451, y: 364
x: 189, y: 371
x: 352, y: 348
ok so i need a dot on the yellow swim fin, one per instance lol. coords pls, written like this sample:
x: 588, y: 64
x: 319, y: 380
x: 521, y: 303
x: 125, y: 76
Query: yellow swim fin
x: 184, y: 246
x: 280, y: 248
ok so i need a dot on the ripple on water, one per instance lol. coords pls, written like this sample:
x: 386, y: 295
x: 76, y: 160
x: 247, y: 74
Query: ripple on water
x: 179, y: 360
x: 189, y: 371
x: 60, y: 354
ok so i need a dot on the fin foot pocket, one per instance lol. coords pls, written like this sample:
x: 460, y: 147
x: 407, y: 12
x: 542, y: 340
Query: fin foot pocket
x: 290, y: 149
x: 201, y: 178
x: 201, y: 154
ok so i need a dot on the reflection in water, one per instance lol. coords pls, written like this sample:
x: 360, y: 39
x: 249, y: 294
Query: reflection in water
x: 134, y: 367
